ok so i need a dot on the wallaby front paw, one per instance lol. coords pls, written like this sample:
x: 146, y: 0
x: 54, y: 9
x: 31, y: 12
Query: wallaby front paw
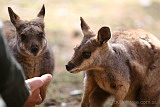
x: 85, y: 105
x: 117, y: 105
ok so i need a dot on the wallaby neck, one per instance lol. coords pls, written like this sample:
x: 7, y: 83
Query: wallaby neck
x: 27, y: 57
x: 116, y: 56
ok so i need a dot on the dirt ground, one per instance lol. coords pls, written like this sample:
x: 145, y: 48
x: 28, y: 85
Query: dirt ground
x: 63, y: 32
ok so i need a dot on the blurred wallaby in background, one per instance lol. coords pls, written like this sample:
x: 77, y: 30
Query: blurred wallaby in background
x: 29, y: 45
x: 125, y: 64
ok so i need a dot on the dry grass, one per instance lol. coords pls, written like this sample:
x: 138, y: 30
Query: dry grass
x: 62, y: 22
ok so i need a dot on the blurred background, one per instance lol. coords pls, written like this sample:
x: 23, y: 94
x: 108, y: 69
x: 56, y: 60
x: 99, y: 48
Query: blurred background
x: 62, y: 26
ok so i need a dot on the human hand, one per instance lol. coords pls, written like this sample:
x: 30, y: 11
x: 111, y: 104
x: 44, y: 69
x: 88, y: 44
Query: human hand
x: 35, y: 84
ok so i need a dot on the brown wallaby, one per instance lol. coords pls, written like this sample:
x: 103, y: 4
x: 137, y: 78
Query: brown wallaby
x: 29, y: 45
x: 125, y: 64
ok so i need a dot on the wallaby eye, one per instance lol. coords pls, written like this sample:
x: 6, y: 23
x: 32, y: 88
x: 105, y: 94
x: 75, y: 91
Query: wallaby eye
x: 23, y: 37
x: 86, y: 55
x: 41, y: 35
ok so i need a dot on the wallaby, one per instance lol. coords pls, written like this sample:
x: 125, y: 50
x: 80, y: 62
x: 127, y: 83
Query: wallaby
x: 125, y: 64
x: 28, y: 44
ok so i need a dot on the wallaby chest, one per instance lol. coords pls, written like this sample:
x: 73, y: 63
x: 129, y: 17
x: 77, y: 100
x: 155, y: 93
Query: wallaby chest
x: 35, y: 66
x: 103, y: 80
x: 32, y: 66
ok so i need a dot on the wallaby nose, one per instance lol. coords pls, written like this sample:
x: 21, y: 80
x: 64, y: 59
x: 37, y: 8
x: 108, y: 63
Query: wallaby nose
x: 34, y: 49
x: 70, y: 66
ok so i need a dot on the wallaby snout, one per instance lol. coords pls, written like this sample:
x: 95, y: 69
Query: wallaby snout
x: 34, y: 49
x: 70, y: 66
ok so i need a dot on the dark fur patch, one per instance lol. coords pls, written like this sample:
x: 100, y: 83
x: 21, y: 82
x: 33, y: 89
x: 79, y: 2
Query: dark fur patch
x: 88, y: 46
x: 27, y: 24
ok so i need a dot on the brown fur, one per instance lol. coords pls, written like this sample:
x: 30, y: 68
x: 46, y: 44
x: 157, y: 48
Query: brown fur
x: 34, y: 63
x: 125, y: 65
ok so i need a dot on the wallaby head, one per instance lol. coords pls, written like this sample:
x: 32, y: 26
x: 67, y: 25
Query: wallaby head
x: 91, y: 51
x: 31, y: 39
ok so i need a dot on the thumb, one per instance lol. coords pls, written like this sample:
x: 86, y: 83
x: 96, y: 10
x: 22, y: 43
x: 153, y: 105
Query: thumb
x: 38, y: 82
x: 46, y: 78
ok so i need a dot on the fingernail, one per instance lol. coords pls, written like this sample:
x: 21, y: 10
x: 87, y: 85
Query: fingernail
x: 48, y: 77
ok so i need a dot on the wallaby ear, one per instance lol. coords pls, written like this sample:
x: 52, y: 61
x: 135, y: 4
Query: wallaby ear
x: 13, y: 17
x: 86, y: 29
x: 41, y: 14
x: 104, y: 34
